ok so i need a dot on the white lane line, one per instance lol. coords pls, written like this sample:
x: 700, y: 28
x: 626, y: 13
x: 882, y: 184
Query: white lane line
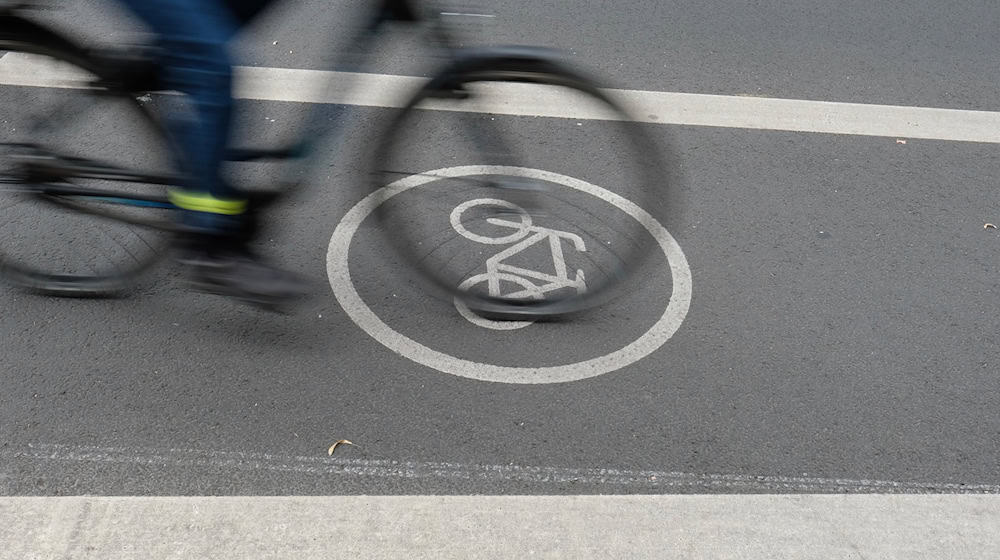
x: 384, y: 90
x: 486, y: 527
x: 619, y: 479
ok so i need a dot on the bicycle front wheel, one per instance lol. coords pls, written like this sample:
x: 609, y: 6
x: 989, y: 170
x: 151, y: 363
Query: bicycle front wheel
x: 70, y: 153
x: 518, y: 172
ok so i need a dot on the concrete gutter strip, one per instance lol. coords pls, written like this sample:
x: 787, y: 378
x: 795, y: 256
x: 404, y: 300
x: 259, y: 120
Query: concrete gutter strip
x: 716, y: 527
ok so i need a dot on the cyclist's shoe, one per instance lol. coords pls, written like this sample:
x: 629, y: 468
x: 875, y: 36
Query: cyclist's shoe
x: 238, y: 273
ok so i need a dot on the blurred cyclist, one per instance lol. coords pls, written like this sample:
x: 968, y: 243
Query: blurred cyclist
x: 194, y: 37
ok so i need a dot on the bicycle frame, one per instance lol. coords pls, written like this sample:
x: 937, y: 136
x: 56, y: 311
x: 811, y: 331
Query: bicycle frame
x: 18, y: 30
x: 50, y: 175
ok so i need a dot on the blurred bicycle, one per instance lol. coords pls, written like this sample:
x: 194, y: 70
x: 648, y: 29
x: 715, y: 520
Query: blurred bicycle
x: 86, y: 165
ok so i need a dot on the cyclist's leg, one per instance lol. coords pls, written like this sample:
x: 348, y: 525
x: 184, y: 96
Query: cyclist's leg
x: 195, y: 36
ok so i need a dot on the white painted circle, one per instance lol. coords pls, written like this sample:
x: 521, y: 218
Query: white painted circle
x: 338, y: 271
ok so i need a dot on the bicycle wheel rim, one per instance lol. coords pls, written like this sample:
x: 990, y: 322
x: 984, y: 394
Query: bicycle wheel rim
x: 653, y: 177
x: 69, y: 244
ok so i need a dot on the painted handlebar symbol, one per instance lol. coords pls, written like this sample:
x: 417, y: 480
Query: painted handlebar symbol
x: 527, y: 283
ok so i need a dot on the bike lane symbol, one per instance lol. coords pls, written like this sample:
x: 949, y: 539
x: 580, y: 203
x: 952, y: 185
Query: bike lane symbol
x: 529, y: 284
x: 339, y: 274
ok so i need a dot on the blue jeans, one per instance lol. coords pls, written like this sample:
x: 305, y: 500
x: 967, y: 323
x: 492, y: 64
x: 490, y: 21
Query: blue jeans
x: 194, y: 36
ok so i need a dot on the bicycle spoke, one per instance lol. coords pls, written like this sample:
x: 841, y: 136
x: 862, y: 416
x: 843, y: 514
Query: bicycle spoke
x: 61, y: 116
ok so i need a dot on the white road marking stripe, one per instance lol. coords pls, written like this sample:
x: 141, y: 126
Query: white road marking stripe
x: 620, y: 479
x: 384, y: 90
x: 578, y: 527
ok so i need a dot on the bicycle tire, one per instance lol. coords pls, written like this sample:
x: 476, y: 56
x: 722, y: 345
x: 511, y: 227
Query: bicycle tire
x: 651, y: 161
x: 56, y: 239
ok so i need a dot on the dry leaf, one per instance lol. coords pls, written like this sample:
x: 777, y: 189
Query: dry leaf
x: 989, y: 226
x: 339, y: 442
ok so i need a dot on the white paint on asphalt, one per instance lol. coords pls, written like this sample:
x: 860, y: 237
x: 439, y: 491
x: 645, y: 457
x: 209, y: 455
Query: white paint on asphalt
x: 338, y: 271
x: 615, y: 480
x: 503, y: 527
x: 385, y: 90
x: 20, y: 69
x: 525, y: 235
x: 485, y: 323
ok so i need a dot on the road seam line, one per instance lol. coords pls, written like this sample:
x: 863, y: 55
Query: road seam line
x: 384, y: 468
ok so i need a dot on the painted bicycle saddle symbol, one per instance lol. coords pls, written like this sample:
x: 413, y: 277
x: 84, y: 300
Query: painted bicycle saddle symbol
x: 510, y: 281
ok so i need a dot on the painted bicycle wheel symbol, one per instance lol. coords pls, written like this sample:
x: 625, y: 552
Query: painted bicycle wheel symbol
x: 506, y: 280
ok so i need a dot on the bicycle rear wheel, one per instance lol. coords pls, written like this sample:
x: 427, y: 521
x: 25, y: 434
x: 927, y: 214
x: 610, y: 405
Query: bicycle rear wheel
x: 514, y: 185
x: 71, y: 204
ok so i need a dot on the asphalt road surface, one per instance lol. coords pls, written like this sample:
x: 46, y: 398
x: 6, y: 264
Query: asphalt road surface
x: 840, y: 333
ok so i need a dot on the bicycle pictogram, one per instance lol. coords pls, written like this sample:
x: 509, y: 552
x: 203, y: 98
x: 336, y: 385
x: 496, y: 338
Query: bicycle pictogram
x: 507, y: 280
